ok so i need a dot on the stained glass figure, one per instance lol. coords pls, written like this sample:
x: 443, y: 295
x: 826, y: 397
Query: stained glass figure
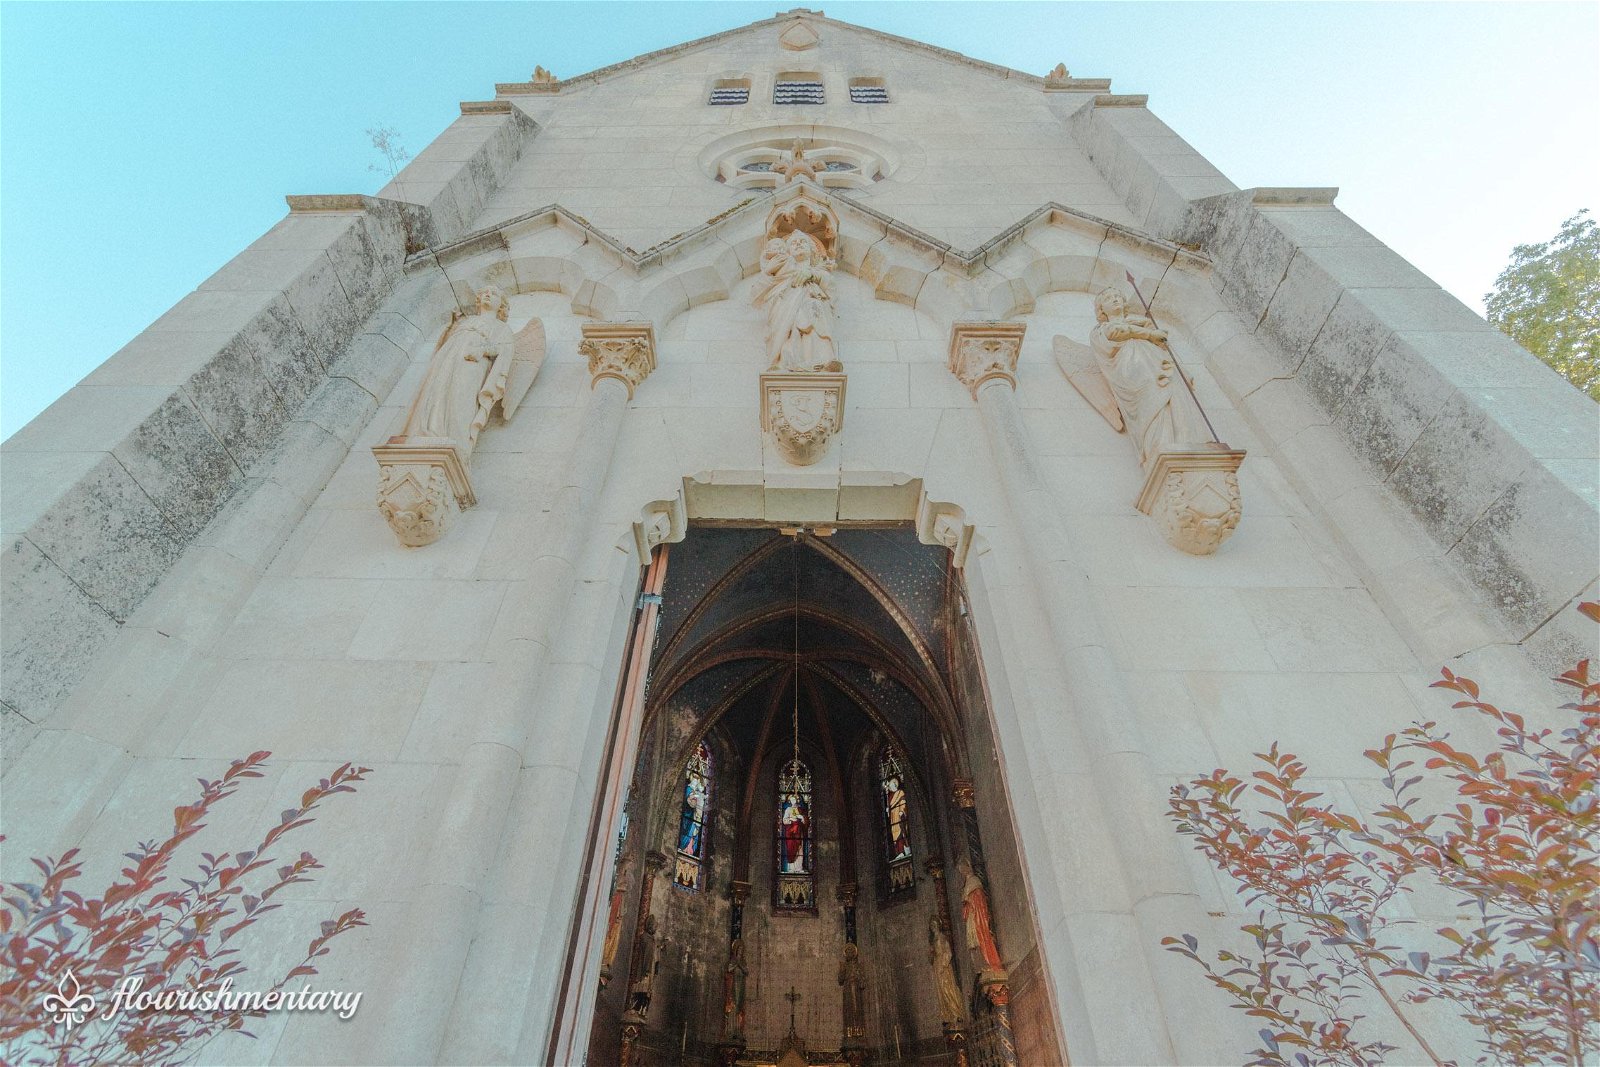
x: 896, y: 821
x: 795, y: 888
x: 692, y: 820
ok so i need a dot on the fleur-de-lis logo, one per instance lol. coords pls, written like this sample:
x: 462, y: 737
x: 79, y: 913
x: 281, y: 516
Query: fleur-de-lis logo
x: 69, y: 1003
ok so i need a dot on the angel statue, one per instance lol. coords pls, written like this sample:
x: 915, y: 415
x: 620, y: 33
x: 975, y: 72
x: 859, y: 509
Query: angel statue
x: 797, y: 274
x: 1147, y: 395
x: 477, y: 365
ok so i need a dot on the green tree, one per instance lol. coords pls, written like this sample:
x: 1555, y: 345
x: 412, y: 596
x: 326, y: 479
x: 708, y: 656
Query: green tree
x: 1548, y: 300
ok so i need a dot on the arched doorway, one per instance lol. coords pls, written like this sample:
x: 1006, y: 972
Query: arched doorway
x: 801, y: 868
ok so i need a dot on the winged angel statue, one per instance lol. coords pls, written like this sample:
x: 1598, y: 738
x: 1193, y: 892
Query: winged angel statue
x: 1127, y: 373
x: 479, y: 366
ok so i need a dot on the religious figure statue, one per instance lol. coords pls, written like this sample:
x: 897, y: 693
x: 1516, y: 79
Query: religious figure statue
x: 619, y: 890
x: 980, y: 931
x: 477, y: 367
x: 477, y: 364
x: 1129, y: 376
x: 944, y: 973
x: 734, y: 978
x: 644, y: 953
x: 1156, y: 407
x: 797, y: 274
x: 795, y: 826
x: 795, y: 167
x: 855, y: 1011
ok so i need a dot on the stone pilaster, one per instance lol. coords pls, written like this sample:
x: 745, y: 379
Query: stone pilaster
x: 1102, y: 709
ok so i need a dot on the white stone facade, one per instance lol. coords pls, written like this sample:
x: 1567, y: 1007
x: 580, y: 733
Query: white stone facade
x: 195, y: 567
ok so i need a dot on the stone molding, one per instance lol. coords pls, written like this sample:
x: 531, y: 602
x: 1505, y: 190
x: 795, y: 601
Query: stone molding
x: 942, y: 523
x: 625, y: 351
x: 661, y: 522
x: 1129, y: 100
x: 985, y: 351
x: 486, y: 107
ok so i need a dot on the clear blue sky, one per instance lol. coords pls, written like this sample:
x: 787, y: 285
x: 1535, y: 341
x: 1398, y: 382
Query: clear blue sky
x: 142, y: 145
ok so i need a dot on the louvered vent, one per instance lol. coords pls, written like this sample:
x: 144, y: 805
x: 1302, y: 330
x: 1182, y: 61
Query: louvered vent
x: 732, y: 94
x: 797, y: 92
x: 869, y: 94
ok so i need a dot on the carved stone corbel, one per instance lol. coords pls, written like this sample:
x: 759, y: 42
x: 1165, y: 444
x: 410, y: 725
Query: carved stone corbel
x: 985, y: 351
x: 1193, y: 495
x: 940, y: 523
x: 661, y: 522
x: 802, y: 412
x: 625, y: 351
x: 422, y: 484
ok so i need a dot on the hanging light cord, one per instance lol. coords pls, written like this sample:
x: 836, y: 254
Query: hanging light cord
x: 794, y: 718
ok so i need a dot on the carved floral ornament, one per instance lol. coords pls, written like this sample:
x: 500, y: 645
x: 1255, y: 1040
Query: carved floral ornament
x: 981, y: 352
x: 625, y: 351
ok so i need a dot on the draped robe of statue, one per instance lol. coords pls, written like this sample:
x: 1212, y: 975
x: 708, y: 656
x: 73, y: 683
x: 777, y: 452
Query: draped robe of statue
x: 795, y: 292
x: 613, y: 941
x: 644, y: 951
x: 466, y: 377
x: 980, y: 930
x: 944, y: 974
x: 1160, y: 414
x: 734, y: 978
x: 854, y: 989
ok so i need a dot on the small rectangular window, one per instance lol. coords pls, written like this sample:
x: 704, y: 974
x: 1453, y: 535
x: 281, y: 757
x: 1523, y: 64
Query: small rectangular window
x: 797, y: 92
x: 868, y: 94
x: 730, y: 94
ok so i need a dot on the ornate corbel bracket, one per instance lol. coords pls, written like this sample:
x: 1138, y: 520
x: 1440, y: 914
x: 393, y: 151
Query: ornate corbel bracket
x: 940, y: 523
x: 985, y: 351
x: 660, y: 522
x: 422, y: 484
x: 625, y: 351
x: 802, y: 412
x: 1193, y: 495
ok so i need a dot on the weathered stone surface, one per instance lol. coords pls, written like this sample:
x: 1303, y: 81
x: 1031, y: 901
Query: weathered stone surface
x: 49, y: 632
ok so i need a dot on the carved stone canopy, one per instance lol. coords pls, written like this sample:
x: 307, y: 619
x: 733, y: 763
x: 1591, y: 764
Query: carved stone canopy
x: 625, y: 351
x: 810, y: 213
x: 985, y: 351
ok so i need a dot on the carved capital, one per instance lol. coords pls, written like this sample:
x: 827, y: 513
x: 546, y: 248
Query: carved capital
x: 739, y: 892
x: 962, y: 792
x: 997, y: 988
x: 1194, y: 496
x: 625, y: 351
x: 802, y: 412
x: 985, y: 351
x: 847, y: 894
x: 422, y: 484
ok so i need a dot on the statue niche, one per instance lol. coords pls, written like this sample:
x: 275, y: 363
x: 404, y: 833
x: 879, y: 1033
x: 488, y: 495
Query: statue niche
x: 1128, y: 375
x: 479, y: 366
x: 802, y: 390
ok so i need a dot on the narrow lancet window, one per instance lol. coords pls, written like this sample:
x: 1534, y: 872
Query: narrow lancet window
x: 795, y: 887
x: 690, y: 873
x: 896, y: 823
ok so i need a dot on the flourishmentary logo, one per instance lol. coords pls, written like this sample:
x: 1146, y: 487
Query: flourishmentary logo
x: 69, y: 1003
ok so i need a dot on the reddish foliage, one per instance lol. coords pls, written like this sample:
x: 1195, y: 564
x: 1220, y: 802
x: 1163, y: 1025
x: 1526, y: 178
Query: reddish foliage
x: 170, y: 938
x: 1521, y: 848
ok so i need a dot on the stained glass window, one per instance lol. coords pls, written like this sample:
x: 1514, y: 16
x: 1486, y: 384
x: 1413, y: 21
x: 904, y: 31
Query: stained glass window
x: 795, y: 888
x: 896, y: 822
x: 690, y: 872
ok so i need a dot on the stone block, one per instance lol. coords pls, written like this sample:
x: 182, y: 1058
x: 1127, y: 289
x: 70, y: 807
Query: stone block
x: 50, y: 631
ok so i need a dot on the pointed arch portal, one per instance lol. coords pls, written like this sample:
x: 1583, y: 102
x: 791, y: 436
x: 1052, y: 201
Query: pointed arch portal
x: 816, y: 772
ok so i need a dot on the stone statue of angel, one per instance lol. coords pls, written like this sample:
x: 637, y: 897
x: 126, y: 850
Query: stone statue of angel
x: 478, y: 365
x: 797, y: 276
x: 1136, y: 385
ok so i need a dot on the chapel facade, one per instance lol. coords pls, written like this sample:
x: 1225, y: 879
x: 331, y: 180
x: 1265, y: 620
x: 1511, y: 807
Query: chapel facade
x: 776, y: 516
